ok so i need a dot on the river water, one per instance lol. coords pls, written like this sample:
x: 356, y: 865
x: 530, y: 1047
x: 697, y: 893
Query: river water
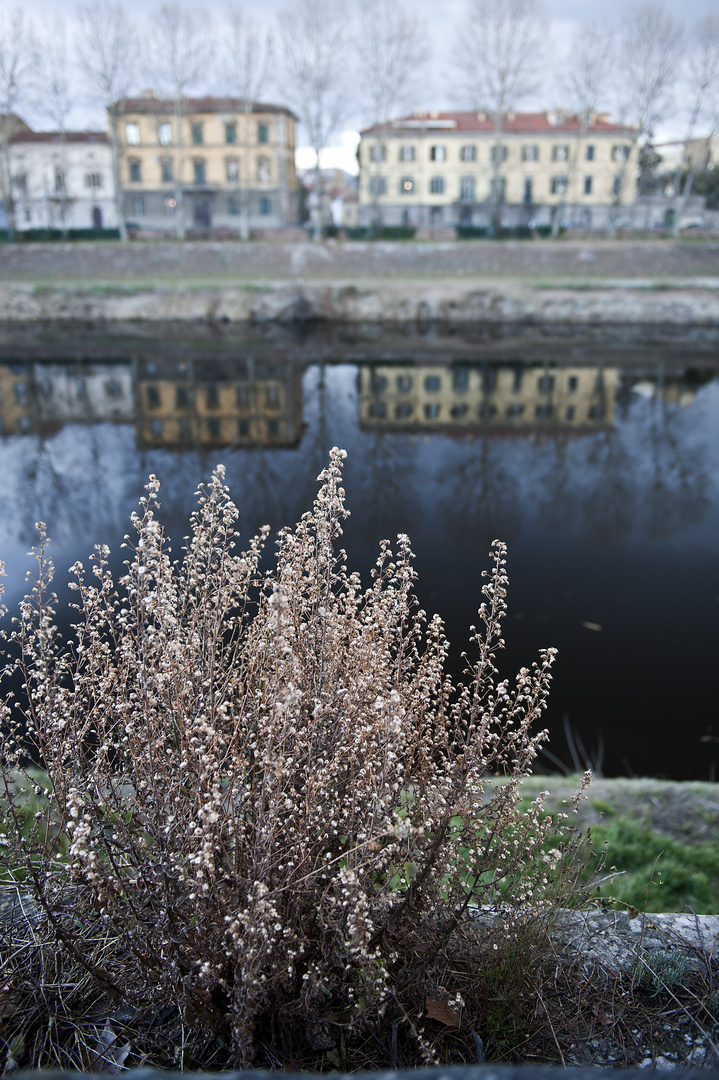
x: 594, y: 454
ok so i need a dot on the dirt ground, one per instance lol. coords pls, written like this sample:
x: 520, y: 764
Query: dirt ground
x: 533, y: 260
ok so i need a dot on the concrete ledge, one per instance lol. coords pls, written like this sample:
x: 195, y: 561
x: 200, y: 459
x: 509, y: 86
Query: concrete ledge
x: 455, y: 1072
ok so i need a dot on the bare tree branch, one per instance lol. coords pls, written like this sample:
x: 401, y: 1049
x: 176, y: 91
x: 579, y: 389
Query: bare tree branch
x: 313, y: 38
x: 107, y: 47
x: 500, y: 52
x: 55, y: 90
x: 701, y: 81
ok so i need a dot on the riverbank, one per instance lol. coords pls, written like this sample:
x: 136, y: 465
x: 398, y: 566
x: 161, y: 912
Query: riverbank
x: 596, y: 282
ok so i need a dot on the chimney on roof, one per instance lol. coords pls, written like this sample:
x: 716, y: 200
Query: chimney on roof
x: 481, y: 116
x: 434, y: 115
x: 148, y: 93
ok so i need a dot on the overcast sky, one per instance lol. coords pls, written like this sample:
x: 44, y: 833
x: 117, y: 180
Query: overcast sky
x: 442, y: 19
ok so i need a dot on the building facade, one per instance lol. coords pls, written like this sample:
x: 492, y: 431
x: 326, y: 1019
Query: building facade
x: 437, y: 169
x: 62, y: 181
x: 219, y: 151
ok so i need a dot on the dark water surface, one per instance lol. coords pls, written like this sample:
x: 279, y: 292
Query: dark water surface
x: 594, y: 454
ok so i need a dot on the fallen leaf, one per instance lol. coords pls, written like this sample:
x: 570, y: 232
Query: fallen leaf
x: 437, y: 1011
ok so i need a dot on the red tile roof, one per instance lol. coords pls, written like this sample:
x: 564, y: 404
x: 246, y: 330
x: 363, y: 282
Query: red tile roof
x: 153, y: 106
x: 539, y: 123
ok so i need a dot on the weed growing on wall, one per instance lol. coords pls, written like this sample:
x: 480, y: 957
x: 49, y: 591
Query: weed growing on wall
x: 267, y: 806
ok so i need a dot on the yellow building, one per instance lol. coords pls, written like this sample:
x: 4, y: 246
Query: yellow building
x: 487, y: 398
x: 219, y: 149
x: 436, y: 169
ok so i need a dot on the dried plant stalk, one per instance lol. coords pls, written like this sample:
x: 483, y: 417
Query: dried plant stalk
x: 264, y: 785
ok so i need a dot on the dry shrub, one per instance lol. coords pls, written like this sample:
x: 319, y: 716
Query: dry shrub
x: 266, y: 790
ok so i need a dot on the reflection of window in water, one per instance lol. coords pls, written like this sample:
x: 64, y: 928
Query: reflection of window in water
x: 514, y: 411
x: 182, y: 397
x: 460, y: 381
x: 81, y: 389
x: 184, y: 428
x: 489, y: 379
x: 596, y: 412
x: 432, y: 384
x: 242, y: 396
x: 570, y: 413
x: 20, y: 390
x: 517, y: 380
x: 113, y: 388
x: 153, y: 397
x: 404, y: 410
x: 243, y: 428
x: 431, y: 410
x: 544, y: 412
x: 487, y: 410
x: 404, y: 383
x: 458, y: 411
x: 156, y: 428
x: 272, y: 397
x: 572, y: 384
x: 24, y: 424
x: 379, y: 383
x: 377, y: 410
x: 46, y: 388
x: 212, y: 398
x: 213, y: 427
x: 273, y: 427
x: 545, y: 384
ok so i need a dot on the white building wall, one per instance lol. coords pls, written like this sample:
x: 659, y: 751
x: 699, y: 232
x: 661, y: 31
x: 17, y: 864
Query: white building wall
x: 89, y: 187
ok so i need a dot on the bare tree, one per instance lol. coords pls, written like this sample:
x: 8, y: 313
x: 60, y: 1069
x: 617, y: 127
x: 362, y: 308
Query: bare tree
x: 649, y: 55
x: 702, y: 87
x: 589, y: 67
x: 392, y: 54
x: 500, y: 51
x: 54, y: 85
x: 178, y: 52
x: 313, y: 36
x: 15, y: 61
x: 245, y: 64
x: 106, y: 47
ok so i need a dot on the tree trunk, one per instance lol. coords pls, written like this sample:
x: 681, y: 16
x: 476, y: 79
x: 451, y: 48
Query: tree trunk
x: 681, y: 199
x: 495, y: 213
x: 117, y: 176
x: 7, y: 183
x: 179, y: 162
x: 571, y: 171
x: 245, y: 192
x: 316, y: 202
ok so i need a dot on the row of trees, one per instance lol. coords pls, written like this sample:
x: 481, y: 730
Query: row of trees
x: 336, y: 65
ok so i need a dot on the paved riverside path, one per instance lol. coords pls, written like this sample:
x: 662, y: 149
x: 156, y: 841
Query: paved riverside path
x: 565, y: 260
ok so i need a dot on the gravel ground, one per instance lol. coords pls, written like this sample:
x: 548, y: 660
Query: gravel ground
x: 265, y: 261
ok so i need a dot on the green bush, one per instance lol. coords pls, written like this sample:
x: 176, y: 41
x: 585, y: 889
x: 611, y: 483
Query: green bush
x: 26, y: 236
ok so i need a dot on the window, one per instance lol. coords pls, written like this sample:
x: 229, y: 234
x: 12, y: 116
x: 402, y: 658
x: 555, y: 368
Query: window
x: 515, y: 411
x: 59, y: 180
x: 587, y: 185
x: 166, y: 170
x: 164, y: 133
x: 620, y: 153
x: 544, y: 412
x: 379, y: 383
x: 139, y: 206
x: 459, y: 411
x: 460, y: 381
x: 406, y: 185
x: 436, y: 185
x: 263, y: 133
x: 431, y: 410
x: 20, y: 390
x: 617, y: 186
x: 559, y: 185
x: 212, y: 397
x: 406, y: 153
x: 243, y: 428
x: 545, y: 384
x: 265, y: 206
x: 530, y: 152
x: 432, y: 384
x: 93, y: 180
x: 272, y: 397
x: 378, y: 152
x: 377, y: 410
x: 135, y: 171
x: 182, y: 397
x: 233, y: 206
x: 590, y: 153
x: 153, y: 397
x: 468, y: 153
x: 466, y: 189
x: 499, y: 154
x: 571, y: 412
x: 232, y: 170
x: 20, y: 182
x: 527, y: 190
x: 404, y: 410
x: 560, y: 153
x: 196, y: 132
x: 377, y: 186
x: 113, y: 388
x: 499, y: 188
x: 199, y: 167
x: 132, y: 134
x: 230, y: 134
x: 437, y: 153
x: 404, y: 383
x: 264, y: 172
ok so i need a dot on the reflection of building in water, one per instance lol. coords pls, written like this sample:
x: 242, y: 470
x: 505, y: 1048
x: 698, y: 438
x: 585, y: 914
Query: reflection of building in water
x: 42, y: 397
x: 217, y: 403
x: 487, y: 396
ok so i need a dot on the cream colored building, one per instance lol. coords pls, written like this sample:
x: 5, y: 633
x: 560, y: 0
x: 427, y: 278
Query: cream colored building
x: 218, y: 149
x: 435, y: 169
